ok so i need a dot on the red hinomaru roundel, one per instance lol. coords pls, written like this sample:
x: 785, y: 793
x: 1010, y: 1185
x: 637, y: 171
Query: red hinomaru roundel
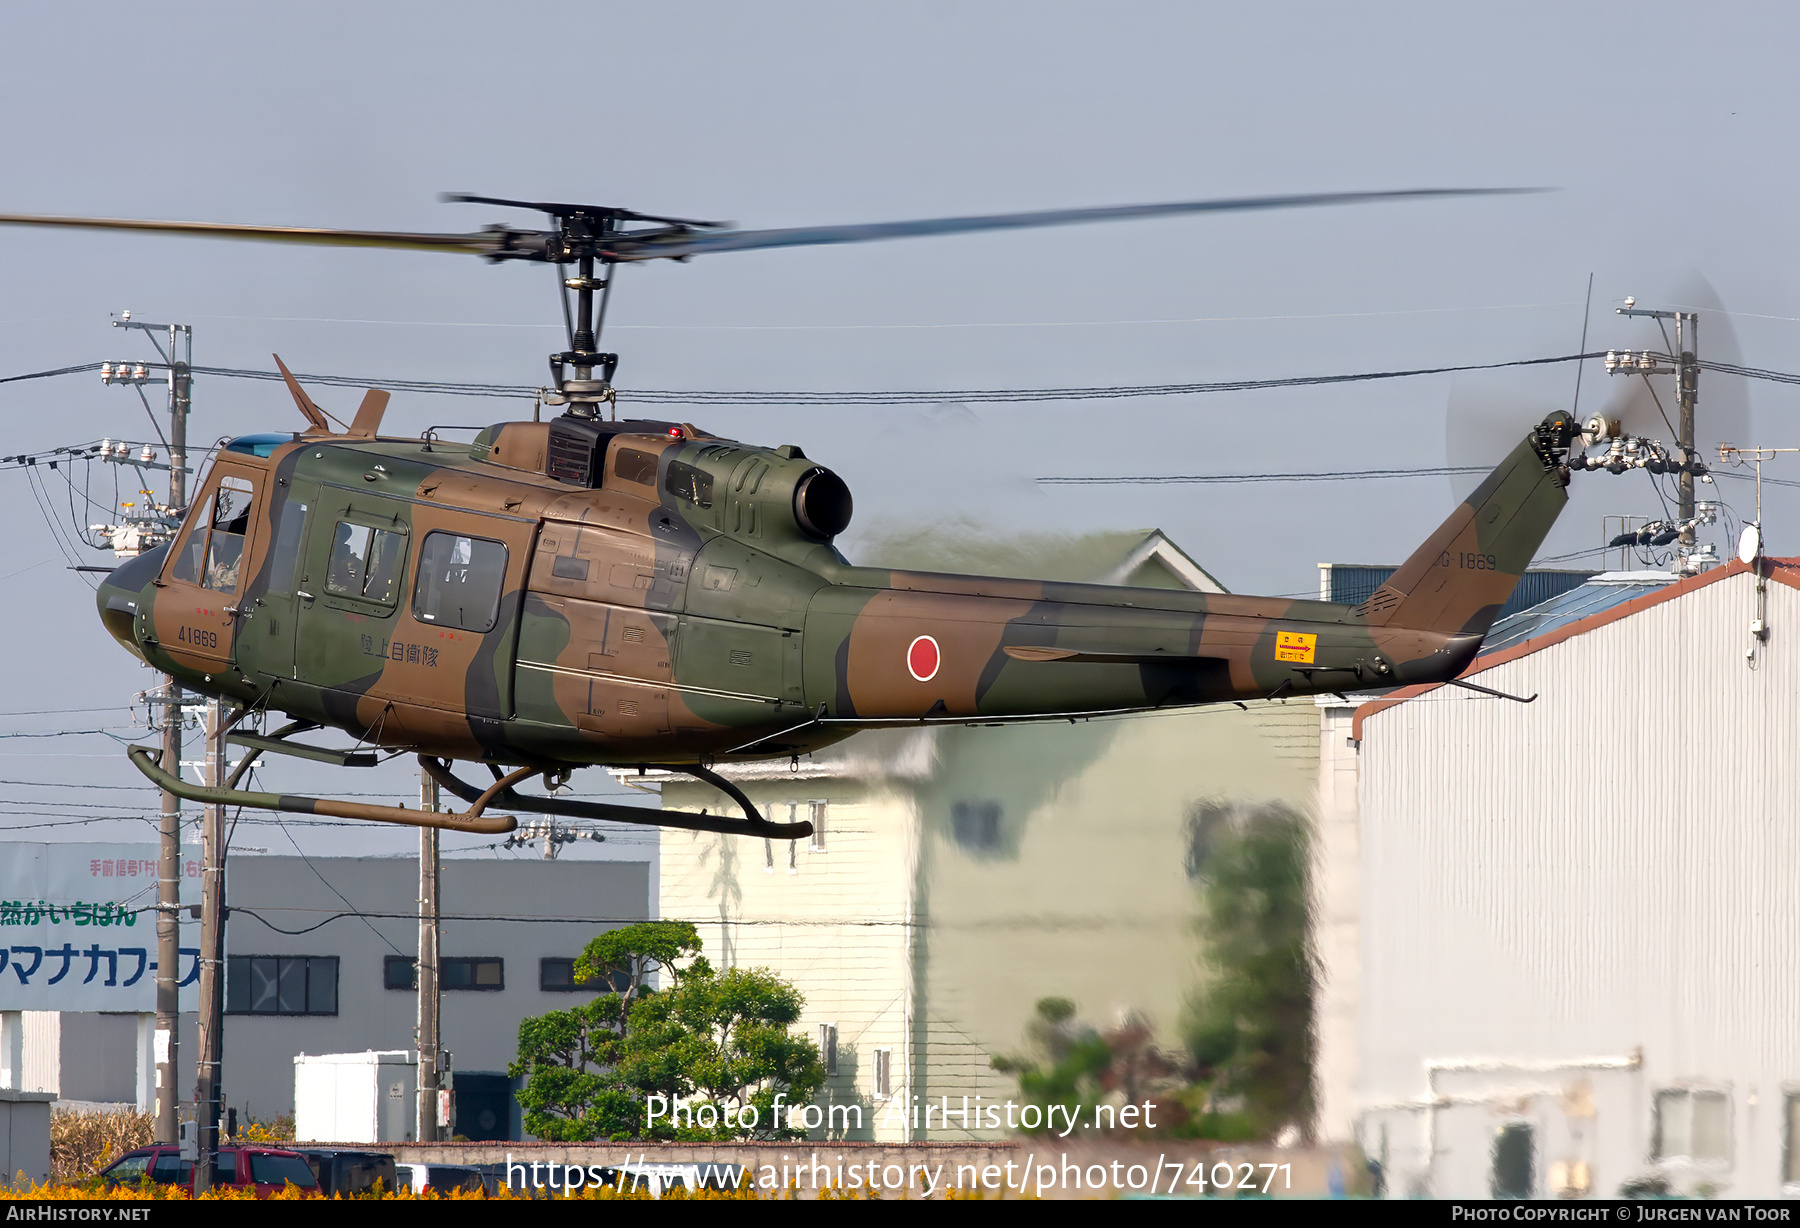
x: 922, y: 658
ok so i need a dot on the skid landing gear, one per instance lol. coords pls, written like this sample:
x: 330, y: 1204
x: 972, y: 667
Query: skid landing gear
x: 499, y: 795
x: 753, y: 824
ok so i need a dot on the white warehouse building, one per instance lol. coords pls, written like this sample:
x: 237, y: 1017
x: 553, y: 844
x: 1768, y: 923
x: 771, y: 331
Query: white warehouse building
x: 1560, y: 941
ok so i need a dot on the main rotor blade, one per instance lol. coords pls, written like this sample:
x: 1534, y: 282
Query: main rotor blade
x: 480, y: 243
x: 680, y: 246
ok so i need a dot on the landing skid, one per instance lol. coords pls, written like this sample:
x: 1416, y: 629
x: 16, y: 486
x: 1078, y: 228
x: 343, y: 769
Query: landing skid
x: 753, y: 824
x: 500, y: 794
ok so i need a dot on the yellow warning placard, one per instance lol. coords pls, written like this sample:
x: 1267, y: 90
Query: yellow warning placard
x: 1295, y: 646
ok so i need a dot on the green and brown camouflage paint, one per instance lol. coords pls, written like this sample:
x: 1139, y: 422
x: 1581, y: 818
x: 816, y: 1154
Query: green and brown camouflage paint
x: 677, y: 609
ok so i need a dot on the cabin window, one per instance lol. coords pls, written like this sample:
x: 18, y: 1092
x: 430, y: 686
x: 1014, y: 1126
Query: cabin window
x: 459, y: 583
x: 290, y: 531
x: 687, y: 482
x: 365, y: 562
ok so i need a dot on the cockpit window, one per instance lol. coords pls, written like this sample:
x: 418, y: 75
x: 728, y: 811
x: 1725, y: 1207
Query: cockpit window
x: 210, y: 553
x: 687, y: 482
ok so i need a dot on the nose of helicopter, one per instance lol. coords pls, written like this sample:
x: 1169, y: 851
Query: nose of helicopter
x: 125, y: 592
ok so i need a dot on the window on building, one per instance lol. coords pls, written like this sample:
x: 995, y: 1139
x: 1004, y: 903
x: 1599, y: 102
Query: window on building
x: 816, y: 813
x: 768, y: 856
x: 1513, y: 1162
x: 469, y: 972
x: 459, y: 584
x: 365, y: 562
x: 1693, y: 1125
x: 883, y: 1071
x: 828, y: 1047
x: 793, y: 856
x: 557, y: 975
x: 281, y: 985
x: 465, y: 972
x: 1206, y: 823
x: 1790, y: 1160
x: 976, y: 825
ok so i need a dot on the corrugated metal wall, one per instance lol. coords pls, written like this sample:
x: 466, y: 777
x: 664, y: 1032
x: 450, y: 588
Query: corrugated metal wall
x: 1614, y: 866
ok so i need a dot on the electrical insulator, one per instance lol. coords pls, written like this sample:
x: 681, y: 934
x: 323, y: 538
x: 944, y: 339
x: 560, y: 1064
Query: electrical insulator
x: 106, y: 373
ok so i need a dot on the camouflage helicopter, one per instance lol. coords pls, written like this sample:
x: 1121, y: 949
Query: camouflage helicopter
x: 593, y: 591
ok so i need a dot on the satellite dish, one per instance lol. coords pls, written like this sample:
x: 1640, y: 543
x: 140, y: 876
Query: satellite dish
x: 1750, y: 544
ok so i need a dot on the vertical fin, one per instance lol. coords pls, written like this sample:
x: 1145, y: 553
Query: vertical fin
x: 1457, y: 581
x: 310, y: 411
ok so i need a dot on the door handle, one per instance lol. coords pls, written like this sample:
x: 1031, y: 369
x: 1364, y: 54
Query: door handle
x: 307, y: 596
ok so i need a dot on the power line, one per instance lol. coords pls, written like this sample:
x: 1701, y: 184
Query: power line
x: 665, y: 396
x: 1334, y: 475
x: 703, y: 396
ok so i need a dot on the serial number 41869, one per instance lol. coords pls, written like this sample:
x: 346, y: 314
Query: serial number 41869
x: 198, y: 637
x: 1468, y: 561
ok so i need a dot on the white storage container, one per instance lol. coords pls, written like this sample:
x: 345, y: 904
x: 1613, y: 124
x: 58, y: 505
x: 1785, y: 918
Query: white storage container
x: 355, y: 1097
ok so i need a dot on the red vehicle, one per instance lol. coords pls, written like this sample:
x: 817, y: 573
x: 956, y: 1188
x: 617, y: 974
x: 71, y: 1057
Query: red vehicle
x: 269, y: 1169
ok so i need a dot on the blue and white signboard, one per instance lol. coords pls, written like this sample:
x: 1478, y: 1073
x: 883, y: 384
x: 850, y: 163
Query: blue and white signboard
x: 78, y: 928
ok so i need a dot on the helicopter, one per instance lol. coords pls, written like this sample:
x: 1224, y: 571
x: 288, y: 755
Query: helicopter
x: 596, y: 591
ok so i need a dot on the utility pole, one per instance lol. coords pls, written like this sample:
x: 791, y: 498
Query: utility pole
x: 133, y: 538
x: 429, y: 1038
x: 207, y: 1092
x: 1683, y: 363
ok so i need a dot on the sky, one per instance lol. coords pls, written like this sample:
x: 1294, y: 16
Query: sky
x: 1663, y: 132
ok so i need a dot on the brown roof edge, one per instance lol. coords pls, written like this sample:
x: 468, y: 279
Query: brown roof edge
x: 1784, y: 571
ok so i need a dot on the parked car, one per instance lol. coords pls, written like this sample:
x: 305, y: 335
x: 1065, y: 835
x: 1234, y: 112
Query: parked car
x: 348, y: 1171
x: 269, y: 1169
x: 440, y: 1177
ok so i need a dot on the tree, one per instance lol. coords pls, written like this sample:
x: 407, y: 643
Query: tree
x: 1076, y: 1067
x: 1249, y: 1029
x: 705, y: 1038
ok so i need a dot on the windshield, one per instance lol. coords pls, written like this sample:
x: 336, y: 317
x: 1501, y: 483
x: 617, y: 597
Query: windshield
x: 130, y: 1170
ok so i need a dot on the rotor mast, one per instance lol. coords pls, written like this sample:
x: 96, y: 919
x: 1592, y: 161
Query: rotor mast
x: 579, y: 237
